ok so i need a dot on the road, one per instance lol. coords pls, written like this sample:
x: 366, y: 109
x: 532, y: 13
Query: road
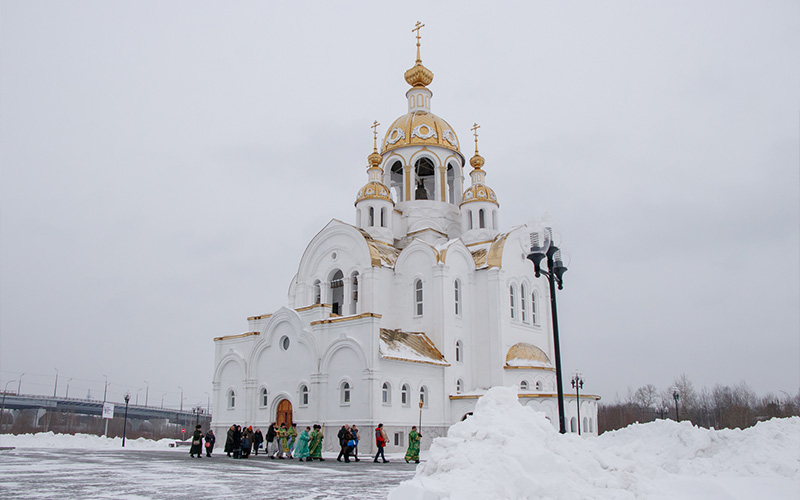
x: 147, y: 474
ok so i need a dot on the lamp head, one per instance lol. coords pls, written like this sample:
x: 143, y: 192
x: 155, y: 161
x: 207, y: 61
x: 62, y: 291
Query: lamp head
x: 535, y: 242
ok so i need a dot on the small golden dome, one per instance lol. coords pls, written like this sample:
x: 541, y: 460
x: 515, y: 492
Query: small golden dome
x: 480, y: 192
x: 420, y: 128
x: 418, y: 75
x: 477, y: 161
x: 374, y: 159
x: 374, y: 190
x: 523, y: 354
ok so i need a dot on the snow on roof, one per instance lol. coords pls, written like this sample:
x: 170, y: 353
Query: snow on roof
x: 415, y: 347
x: 523, y: 354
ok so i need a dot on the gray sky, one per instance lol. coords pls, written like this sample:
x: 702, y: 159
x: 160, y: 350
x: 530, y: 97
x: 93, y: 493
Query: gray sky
x: 147, y: 146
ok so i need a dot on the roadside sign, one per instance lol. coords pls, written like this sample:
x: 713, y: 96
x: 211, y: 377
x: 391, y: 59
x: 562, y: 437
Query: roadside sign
x: 108, y: 410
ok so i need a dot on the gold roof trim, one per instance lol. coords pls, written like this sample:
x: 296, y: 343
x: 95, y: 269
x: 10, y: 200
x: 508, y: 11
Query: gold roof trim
x: 380, y: 253
x: 312, y: 306
x: 545, y: 368
x: 527, y: 352
x: 479, y: 256
x: 465, y: 396
x: 417, y: 342
x: 239, y: 336
x: 554, y: 395
x: 495, y: 256
x: 339, y: 319
x: 262, y: 316
x: 426, y: 229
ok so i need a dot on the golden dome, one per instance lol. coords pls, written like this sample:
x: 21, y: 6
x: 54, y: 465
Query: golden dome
x: 418, y: 75
x: 480, y: 192
x: 420, y: 128
x: 477, y: 161
x: 523, y: 354
x: 374, y: 190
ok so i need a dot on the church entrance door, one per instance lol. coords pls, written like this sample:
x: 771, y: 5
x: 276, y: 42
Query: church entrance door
x: 284, y: 413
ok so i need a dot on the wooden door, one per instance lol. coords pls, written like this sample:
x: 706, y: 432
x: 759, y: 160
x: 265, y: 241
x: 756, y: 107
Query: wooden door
x: 284, y: 413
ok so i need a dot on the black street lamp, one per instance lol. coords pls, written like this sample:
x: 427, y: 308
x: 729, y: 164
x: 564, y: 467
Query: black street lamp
x: 125, y: 426
x: 676, y: 396
x: 540, y: 248
x: 577, y: 384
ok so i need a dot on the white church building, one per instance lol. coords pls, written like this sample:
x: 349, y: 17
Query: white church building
x: 422, y: 299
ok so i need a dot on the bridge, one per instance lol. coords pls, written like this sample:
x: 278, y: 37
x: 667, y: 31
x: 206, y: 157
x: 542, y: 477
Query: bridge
x: 95, y: 407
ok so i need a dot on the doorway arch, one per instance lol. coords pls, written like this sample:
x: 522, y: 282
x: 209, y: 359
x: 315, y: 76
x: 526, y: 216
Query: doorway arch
x: 284, y: 413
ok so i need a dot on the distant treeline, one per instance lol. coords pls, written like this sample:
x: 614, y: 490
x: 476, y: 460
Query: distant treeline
x: 720, y: 407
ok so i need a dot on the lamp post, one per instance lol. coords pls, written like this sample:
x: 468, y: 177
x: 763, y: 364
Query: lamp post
x: 541, y: 248
x: 68, y: 381
x: 55, y: 386
x: 105, y: 389
x: 181, y: 388
x: 137, y: 395
x: 577, y: 384
x: 146, y: 392
x: 676, y: 396
x: 421, y: 404
x: 3, y: 407
x: 19, y: 383
x: 125, y: 425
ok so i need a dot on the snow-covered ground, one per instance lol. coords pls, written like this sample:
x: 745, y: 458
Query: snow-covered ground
x: 504, y: 451
x: 508, y: 451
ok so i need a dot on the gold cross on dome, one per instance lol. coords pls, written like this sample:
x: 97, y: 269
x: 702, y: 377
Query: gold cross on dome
x: 417, y: 27
x: 474, y: 129
x: 375, y: 135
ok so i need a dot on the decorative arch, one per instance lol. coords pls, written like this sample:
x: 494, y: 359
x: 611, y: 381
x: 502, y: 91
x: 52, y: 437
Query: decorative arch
x: 282, y: 315
x: 343, y: 343
x: 416, y: 247
x: 230, y: 357
x: 321, y: 243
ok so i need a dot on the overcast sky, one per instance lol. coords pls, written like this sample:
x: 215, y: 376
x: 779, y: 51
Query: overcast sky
x: 164, y: 165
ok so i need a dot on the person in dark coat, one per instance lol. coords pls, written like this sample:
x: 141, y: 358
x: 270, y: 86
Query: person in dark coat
x: 210, y: 440
x: 344, y: 438
x: 271, y: 449
x: 229, y: 440
x: 237, y: 442
x: 245, y: 446
x: 197, y: 443
x: 258, y: 439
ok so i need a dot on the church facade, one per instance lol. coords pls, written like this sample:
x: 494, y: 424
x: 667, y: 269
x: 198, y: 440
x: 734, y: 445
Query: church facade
x: 410, y: 314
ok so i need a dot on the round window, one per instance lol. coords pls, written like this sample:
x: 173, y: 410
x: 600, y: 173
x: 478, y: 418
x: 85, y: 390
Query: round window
x: 334, y: 255
x: 285, y: 343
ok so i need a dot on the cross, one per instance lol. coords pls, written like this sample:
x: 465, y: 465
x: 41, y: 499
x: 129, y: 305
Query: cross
x: 375, y: 134
x: 417, y: 27
x: 474, y: 129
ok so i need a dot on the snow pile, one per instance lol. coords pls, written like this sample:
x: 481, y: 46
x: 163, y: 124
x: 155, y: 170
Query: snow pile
x: 508, y: 451
x: 79, y: 441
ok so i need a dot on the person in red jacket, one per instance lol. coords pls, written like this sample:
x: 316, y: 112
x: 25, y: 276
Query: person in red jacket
x: 380, y: 440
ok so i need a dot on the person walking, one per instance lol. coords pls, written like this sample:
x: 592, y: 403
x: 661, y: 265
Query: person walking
x: 413, y: 445
x: 292, y: 438
x: 315, y: 444
x: 380, y: 441
x: 283, y: 441
x: 197, y: 442
x: 210, y: 440
x: 229, y: 440
x: 270, y: 448
x: 245, y: 445
x: 258, y: 440
x: 301, y: 450
x: 237, y: 442
x: 355, y: 439
x: 344, y: 438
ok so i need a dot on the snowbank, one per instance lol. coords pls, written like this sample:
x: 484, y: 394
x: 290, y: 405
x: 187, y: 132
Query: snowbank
x: 79, y: 441
x: 508, y: 451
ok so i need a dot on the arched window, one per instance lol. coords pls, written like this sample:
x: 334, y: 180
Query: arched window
x: 457, y: 291
x: 405, y: 395
x: 231, y: 399
x: 396, y: 181
x: 383, y: 217
x: 523, y: 386
x: 494, y: 220
x: 345, y: 393
x: 303, y: 395
x: 386, y: 394
x: 512, y: 295
x: 425, y: 180
x: 459, y: 351
x: 481, y: 218
x: 538, y: 385
x: 573, y: 424
x: 459, y: 386
x: 354, y: 302
x: 585, y: 425
x: 418, y: 297
x: 337, y: 291
x: 469, y: 219
x: 591, y: 425
x: 263, y: 397
x: 358, y: 217
x: 423, y: 396
x: 523, y: 303
x: 317, y: 293
x: 534, y: 309
x: 371, y: 217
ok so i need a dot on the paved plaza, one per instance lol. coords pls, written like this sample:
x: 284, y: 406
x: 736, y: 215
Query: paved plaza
x: 148, y: 474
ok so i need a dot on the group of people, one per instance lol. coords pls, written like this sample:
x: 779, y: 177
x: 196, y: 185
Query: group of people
x: 284, y: 442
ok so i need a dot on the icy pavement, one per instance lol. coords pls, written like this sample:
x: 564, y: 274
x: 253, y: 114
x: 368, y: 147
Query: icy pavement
x: 161, y: 474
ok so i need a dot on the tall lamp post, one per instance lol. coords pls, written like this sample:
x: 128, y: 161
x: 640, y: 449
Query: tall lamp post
x: 181, y: 388
x: 676, y: 396
x: 68, y: 381
x: 577, y: 384
x: 3, y: 407
x: 540, y: 248
x: 146, y: 392
x: 125, y: 425
x: 55, y: 386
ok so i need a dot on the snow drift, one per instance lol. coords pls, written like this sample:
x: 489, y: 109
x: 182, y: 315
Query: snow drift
x: 508, y: 451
